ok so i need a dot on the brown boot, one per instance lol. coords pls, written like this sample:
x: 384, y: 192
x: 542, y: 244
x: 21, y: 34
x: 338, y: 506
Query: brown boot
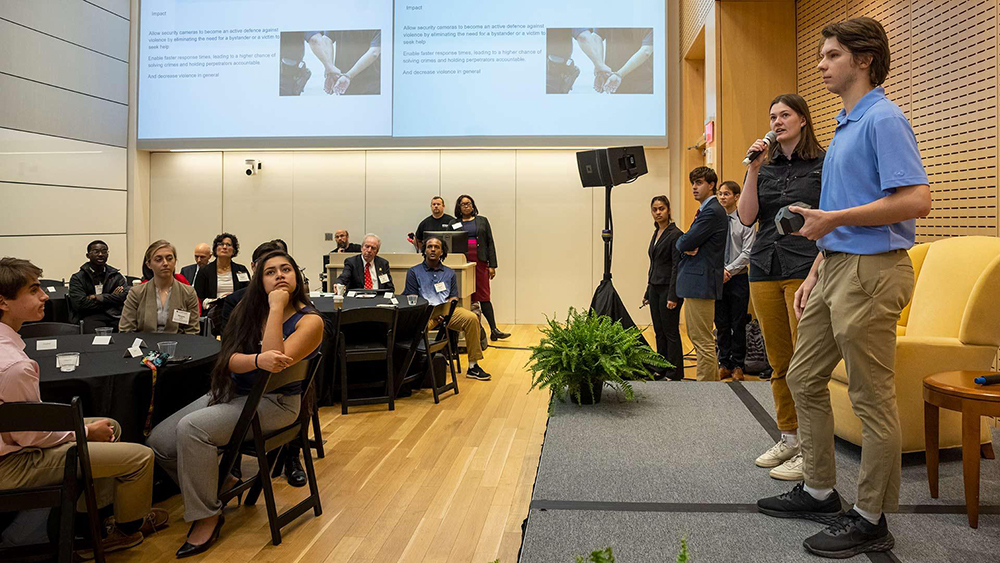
x: 725, y: 373
x: 738, y: 374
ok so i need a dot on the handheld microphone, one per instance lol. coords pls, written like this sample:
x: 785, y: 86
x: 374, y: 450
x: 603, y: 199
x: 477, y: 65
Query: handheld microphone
x: 752, y: 155
x: 988, y: 380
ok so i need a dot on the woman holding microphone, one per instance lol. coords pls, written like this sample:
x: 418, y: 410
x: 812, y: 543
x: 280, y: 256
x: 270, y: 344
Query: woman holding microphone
x: 787, y: 172
x: 661, y: 287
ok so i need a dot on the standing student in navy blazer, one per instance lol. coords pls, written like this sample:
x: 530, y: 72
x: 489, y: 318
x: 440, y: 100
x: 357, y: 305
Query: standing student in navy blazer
x: 700, y: 272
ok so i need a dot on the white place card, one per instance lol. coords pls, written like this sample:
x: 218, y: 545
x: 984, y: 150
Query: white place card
x: 388, y: 295
x: 137, y: 343
x: 50, y: 289
x: 394, y: 301
x: 135, y: 351
x: 351, y: 293
x: 101, y: 340
x: 45, y: 344
x: 67, y: 361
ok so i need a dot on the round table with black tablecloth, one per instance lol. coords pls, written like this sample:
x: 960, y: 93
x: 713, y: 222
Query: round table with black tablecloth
x: 407, y: 326
x: 111, y: 383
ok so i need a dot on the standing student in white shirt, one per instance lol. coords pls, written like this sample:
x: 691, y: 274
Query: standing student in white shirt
x: 731, y: 310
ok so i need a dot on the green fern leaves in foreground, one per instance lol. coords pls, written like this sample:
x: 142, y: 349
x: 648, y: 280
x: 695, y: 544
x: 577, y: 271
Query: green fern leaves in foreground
x: 588, y: 351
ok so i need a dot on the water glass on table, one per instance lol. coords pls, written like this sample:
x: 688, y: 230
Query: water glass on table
x: 103, y: 331
x: 67, y: 361
x: 168, y: 347
x: 411, y: 300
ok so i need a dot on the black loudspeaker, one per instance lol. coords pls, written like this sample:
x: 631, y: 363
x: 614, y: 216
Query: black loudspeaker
x: 610, y: 167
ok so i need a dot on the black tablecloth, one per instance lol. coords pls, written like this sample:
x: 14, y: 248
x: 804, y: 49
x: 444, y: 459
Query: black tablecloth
x: 112, y: 385
x: 407, y: 325
x: 57, y: 307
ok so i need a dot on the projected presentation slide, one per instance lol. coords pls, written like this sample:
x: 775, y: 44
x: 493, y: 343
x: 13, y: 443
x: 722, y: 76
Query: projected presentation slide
x: 268, y: 68
x: 527, y: 68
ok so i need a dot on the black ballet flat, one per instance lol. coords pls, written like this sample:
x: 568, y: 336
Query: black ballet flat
x: 187, y: 550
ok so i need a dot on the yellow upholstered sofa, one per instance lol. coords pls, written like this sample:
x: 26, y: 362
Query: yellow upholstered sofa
x: 952, y: 323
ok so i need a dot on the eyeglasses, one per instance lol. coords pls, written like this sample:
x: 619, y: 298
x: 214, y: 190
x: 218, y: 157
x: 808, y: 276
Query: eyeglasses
x: 225, y: 245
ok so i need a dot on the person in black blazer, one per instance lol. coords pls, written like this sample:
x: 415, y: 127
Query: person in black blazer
x: 344, y: 244
x: 482, y: 251
x: 202, y: 253
x: 353, y: 276
x: 700, y: 272
x: 661, y: 288
x: 222, y: 271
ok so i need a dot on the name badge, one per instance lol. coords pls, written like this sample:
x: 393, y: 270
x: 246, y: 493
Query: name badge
x: 101, y: 340
x: 98, y: 289
x: 440, y: 287
x: 456, y: 226
x: 383, y: 278
x: 135, y: 351
x: 243, y: 277
x: 182, y: 317
x: 45, y: 345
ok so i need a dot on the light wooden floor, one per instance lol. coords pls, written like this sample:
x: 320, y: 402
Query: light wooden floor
x: 425, y: 483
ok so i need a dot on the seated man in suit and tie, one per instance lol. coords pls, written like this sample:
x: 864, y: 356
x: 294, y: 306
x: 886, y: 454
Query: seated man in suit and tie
x: 367, y: 271
x: 343, y: 240
x: 700, y: 273
x: 202, y: 256
x: 438, y: 284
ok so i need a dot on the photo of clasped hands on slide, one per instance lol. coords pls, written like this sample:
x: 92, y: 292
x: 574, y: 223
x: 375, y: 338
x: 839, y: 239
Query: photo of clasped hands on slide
x: 620, y: 60
x: 335, y: 62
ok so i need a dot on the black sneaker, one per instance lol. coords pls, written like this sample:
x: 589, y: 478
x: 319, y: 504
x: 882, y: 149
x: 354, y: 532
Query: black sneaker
x: 476, y: 372
x: 797, y: 503
x: 294, y: 473
x: 850, y: 535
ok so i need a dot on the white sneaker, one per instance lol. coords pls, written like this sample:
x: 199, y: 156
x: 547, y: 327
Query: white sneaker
x: 791, y: 470
x: 778, y: 454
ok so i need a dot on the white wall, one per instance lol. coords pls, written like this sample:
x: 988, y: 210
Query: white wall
x: 63, y: 131
x: 547, y: 228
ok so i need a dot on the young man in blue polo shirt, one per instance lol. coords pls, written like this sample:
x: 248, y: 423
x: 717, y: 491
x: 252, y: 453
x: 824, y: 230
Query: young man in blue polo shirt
x: 874, y: 188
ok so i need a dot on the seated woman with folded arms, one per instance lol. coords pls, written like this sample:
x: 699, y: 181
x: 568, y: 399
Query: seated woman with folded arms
x: 274, y: 327
x: 162, y: 304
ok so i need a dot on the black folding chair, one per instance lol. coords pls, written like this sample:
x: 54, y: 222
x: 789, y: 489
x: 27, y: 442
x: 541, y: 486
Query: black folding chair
x: 412, y: 348
x: 266, y: 447
x: 54, y: 417
x: 366, y: 348
x: 442, y: 343
x: 330, y: 328
x: 41, y: 330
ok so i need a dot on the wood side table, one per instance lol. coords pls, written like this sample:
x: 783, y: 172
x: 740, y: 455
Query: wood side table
x: 956, y: 390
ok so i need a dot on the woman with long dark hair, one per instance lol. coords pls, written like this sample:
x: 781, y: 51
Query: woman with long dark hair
x: 482, y: 251
x: 661, y: 287
x: 789, y: 172
x: 274, y: 327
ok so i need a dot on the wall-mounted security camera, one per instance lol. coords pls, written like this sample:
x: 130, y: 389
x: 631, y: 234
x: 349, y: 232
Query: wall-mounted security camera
x: 253, y: 166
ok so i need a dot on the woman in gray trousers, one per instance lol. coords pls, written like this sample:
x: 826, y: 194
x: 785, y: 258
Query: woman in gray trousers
x: 275, y: 326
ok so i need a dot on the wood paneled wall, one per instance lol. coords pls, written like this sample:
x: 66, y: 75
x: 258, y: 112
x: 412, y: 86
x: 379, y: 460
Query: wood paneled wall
x: 944, y: 77
x: 693, y: 14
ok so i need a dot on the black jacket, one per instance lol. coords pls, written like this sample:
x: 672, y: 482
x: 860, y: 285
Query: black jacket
x: 351, y: 247
x: 207, y: 283
x: 486, y: 249
x: 353, y: 275
x: 82, y: 283
x: 663, y: 261
x: 700, y: 276
x: 189, y: 273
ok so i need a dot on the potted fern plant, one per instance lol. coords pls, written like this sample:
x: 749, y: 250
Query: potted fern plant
x: 578, y: 357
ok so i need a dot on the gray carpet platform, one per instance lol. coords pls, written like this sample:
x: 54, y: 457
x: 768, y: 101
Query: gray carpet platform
x: 678, y: 463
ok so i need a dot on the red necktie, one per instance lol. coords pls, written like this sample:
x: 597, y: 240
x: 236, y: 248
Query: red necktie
x: 368, y: 277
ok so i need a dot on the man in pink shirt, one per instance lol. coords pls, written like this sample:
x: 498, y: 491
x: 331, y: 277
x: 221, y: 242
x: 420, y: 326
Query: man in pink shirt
x: 123, y: 472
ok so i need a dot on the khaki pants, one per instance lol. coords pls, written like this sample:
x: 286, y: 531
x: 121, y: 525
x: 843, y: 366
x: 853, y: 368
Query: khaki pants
x: 123, y: 473
x: 699, y: 314
x: 852, y: 314
x: 773, y: 303
x: 466, y: 322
